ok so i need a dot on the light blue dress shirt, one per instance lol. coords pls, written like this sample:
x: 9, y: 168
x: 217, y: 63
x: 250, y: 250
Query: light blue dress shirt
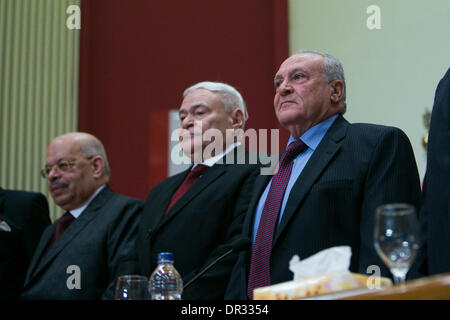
x: 311, y: 138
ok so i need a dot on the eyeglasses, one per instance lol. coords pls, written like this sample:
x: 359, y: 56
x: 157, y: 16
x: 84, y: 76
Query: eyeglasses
x: 62, y: 165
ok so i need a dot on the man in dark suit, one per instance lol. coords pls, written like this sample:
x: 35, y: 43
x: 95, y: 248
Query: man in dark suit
x: 330, y: 180
x: 201, y: 224
x: 23, y: 218
x: 436, y: 189
x: 81, y: 255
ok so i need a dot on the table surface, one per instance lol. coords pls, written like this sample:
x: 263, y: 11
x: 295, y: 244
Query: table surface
x: 429, y: 288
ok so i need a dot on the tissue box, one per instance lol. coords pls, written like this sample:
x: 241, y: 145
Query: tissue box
x: 316, y: 286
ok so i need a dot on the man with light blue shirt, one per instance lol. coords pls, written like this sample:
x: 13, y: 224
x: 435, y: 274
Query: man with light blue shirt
x: 330, y: 179
x: 311, y: 138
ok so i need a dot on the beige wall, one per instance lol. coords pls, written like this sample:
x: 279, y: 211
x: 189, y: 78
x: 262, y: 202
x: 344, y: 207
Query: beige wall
x: 38, y: 88
x: 391, y: 72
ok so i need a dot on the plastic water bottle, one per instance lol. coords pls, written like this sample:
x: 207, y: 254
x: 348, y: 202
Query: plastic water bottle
x: 165, y: 281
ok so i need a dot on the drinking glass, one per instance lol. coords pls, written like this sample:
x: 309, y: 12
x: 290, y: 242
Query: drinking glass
x: 131, y: 287
x: 397, y: 237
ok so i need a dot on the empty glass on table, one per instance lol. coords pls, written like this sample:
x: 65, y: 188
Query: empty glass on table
x: 397, y: 237
x: 131, y: 287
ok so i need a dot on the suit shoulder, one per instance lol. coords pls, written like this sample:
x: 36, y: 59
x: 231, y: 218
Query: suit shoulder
x: 23, y: 195
x: 26, y: 208
x: 167, y: 181
x: 25, y: 199
x: 119, y: 208
x: 375, y: 130
x: 118, y: 197
x: 116, y: 202
x: 374, y: 136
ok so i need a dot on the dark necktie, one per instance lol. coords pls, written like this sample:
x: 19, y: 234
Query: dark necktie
x: 190, y: 179
x: 63, y: 223
x: 259, y: 275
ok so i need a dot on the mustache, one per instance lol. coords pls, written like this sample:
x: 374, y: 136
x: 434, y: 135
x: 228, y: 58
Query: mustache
x: 56, y: 183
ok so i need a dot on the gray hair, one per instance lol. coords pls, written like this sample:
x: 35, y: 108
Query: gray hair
x: 229, y: 96
x: 332, y: 69
x: 93, y: 147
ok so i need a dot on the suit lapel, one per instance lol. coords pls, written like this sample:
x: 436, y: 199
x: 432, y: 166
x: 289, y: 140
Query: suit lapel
x: 258, y: 188
x: 169, y: 189
x: 205, y: 180
x: 319, y: 160
x: 40, y: 250
x: 43, y: 258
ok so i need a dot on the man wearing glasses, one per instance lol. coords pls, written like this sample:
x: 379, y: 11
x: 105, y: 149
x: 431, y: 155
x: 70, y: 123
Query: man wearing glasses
x: 81, y: 255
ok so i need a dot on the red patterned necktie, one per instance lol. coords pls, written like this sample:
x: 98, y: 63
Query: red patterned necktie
x: 190, y: 179
x: 63, y: 223
x: 259, y: 275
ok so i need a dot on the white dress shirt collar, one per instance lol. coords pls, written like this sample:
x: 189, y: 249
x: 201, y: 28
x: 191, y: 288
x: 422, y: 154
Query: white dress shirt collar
x: 212, y: 161
x: 76, y: 212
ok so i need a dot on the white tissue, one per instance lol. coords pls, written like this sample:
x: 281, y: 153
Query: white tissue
x: 331, y: 260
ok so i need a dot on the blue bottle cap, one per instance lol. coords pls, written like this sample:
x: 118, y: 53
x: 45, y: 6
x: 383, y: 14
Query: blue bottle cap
x: 165, y: 256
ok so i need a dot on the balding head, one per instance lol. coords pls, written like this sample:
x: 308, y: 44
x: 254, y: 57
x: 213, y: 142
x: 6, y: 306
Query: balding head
x: 76, y: 165
x: 88, y: 145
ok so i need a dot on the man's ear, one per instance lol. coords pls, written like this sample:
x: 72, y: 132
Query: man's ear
x: 337, y: 91
x: 237, y: 119
x: 98, y: 165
